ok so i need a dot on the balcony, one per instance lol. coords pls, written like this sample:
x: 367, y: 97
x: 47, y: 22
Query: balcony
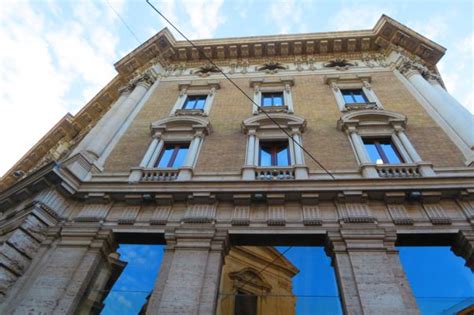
x: 275, y: 173
x: 398, y: 170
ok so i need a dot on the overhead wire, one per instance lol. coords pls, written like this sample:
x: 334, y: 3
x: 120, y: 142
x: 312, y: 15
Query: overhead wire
x: 123, y: 21
x: 201, y: 53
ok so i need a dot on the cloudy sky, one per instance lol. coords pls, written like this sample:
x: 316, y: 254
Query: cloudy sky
x: 57, y: 54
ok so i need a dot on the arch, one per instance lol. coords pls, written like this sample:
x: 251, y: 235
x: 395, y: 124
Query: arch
x: 261, y: 121
x: 181, y: 124
x: 371, y: 118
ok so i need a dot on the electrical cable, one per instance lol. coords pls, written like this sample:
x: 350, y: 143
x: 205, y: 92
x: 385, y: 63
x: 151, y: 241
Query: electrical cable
x: 201, y: 53
x: 123, y: 21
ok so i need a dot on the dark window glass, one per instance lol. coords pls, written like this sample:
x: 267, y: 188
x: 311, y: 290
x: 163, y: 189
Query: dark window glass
x: 173, y: 155
x: 274, y: 154
x: 272, y: 99
x: 195, y: 102
x: 382, y: 151
x: 354, y: 96
x: 245, y: 304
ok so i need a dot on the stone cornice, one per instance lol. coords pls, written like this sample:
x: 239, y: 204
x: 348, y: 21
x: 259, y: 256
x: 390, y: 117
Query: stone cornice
x: 386, y: 34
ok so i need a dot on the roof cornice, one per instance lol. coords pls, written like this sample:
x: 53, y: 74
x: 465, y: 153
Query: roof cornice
x: 387, y: 33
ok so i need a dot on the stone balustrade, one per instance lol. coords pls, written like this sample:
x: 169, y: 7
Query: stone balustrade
x: 162, y: 174
x: 275, y: 173
x: 398, y: 170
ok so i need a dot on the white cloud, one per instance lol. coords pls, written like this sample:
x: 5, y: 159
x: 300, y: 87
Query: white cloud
x: 204, y: 17
x: 357, y: 17
x: 286, y: 15
x: 43, y: 60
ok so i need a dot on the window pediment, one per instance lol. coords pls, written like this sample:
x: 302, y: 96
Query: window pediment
x: 261, y: 121
x: 251, y: 278
x: 371, y: 118
x: 181, y: 124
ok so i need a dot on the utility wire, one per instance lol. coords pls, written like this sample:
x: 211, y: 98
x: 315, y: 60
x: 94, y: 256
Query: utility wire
x: 242, y: 91
x: 123, y: 21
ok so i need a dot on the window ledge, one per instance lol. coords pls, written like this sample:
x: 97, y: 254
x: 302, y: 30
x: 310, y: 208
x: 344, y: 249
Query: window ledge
x: 360, y: 106
x: 273, y: 109
x: 190, y: 112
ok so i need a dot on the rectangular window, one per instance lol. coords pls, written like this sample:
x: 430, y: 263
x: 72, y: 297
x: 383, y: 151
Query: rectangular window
x: 382, y: 151
x: 245, y: 304
x: 272, y: 99
x: 274, y: 154
x: 172, y: 155
x: 354, y: 96
x: 195, y: 102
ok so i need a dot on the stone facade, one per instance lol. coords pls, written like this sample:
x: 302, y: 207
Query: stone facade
x: 93, y: 181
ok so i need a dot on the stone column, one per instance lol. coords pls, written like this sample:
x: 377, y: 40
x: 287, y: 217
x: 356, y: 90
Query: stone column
x: 248, y: 172
x: 114, y: 122
x: 64, y: 274
x: 457, y: 117
x: 149, y: 159
x: 368, y: 169
x: 369, y: 274
x: 301, y: 171
x: 186, y: 171
x: 99, y: 128
x: 188, y: 282
x: 425, y: 168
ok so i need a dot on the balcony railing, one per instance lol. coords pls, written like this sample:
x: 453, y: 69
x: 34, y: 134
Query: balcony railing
x: 162, y: 174
x: 280, y: 173
x: 398, y: 170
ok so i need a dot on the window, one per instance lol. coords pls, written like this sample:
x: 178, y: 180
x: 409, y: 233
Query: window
x: 382, y: 151
x: 195, y: 102
x: 245, y: 304
x: 272, y: 99
x: 354, y: 96
x: 274, y: 154
x: 172, y: 156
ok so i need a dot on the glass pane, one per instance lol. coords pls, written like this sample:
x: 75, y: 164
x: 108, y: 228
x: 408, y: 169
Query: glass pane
x: 282, y: 157
x: 266, y: 101
x: 374, y: 155
x: 390, y: 153
x: 189, y: 104
x: 180, y: 157
x: 359, y: 98
x: 278, y: 100
x: 200, y: 104
x: 265, y: 157
x: 348, y: 98
x: 165, y: 157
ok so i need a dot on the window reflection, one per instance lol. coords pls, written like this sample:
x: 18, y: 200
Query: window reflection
x: 382, y: 151
x: 354, y: 96
x: 173, y: 155
x: 195, y: 102
x: 278, y: 280
x: 274, y: 153
x: 272, y: 99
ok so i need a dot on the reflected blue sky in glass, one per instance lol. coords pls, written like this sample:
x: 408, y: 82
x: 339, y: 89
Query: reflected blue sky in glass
x: 282, y: 157
x: 136, y: 281
x: 180, y: 157
x: 390, y: 153
x: 315, y: 285
x: 437, y: 277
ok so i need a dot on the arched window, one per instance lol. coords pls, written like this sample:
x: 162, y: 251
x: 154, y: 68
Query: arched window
x: 173, y: 151
x: 381, y: 145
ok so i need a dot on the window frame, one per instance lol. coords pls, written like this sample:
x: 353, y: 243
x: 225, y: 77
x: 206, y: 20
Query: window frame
x: 206, y: 88
x: 196, y: 98
x: 172, y: 160
x: 267, y: 85
x: 377, y: 141
x: 272, y: 96
x: 345, y: 90
x: 274, y: 153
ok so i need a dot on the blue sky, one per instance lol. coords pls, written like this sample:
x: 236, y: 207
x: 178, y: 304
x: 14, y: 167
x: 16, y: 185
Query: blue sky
x: 437, y: 277
x: 57, y: 54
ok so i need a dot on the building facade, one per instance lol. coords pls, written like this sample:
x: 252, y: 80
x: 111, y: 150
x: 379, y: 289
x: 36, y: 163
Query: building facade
x: 171, y: 152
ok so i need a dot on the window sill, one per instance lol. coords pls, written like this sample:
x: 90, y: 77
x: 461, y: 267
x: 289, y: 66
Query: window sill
x: 360, y: 106
x: 273, y: 109
x: 139, y: 174
x: 190, y: 112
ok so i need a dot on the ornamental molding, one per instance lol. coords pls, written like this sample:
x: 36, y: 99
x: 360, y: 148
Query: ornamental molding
x: 371, y: 119
x: 181, y: 124
x: 262, y: 121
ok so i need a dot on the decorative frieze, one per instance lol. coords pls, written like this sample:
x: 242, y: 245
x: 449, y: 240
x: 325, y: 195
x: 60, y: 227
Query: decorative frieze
x: 352, y: 212
x: 129, y: 214
x: 467, y: 207
x: 436, y: 213
x: 276, y: 215
x: 311, y: 215
x: 241, y: 215
x: 200, y: 213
